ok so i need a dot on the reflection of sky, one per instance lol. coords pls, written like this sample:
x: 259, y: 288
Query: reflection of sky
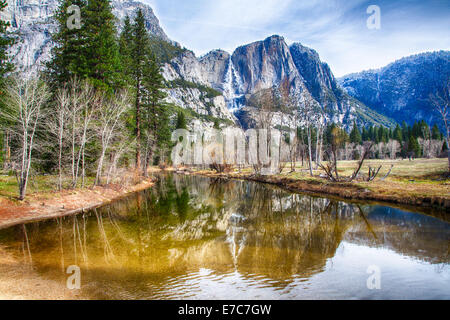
x: 336, y: 29
x: 394, y: 216
x: 345, y: 277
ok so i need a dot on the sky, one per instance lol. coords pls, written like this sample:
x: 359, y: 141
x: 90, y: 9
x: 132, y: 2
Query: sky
x: 336, y: 29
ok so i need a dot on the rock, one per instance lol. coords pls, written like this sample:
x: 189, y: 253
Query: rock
x: 218, y: 84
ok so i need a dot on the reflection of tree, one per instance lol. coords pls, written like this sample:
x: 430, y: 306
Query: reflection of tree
x: 26, y: 244
x: 186, y: 223
x: 108, y: 251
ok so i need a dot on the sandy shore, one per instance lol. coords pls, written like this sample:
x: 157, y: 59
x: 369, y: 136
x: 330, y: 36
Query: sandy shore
x: 19, y: 281
x: 67, y: 202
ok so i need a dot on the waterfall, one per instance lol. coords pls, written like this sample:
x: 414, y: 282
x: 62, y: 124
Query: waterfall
x: 236, y: 236
x: 233, y: 88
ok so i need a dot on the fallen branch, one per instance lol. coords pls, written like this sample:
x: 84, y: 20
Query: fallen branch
x: 373, y: 173
x: 364, y: 156
x: 387, y: 174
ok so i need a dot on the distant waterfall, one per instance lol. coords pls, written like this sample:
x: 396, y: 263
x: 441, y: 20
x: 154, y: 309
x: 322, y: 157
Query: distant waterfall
x: 233, y: 88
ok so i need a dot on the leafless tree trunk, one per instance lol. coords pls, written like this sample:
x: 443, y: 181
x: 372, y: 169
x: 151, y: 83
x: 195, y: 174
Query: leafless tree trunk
x: 109, y: 122
x: 7, y: 149
x: 441, y: 101
x: 57, y: 122
x: 24, y: 101
x: 308, y: 133
x: 319, y: 142
x: 309, y: 111
x: 87, y: 101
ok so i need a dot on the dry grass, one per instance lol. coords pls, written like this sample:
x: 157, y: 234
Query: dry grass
x: 417, y: 182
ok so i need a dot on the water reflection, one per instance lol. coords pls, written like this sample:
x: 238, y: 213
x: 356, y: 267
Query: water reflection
x: 195, y: 237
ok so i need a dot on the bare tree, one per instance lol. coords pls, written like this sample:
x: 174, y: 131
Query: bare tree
x: 266, y: 102
x: 310, y: 116
x: 23, y: 110
x: 85, y: 102
x: 441, y: 101
x: 393, y: 146
x: 109, y: 121
x: 56, y: 123
x: 319, y: 140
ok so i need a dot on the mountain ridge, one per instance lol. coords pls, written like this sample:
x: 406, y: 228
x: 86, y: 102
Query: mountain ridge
x: 403, y: 86
x: 233, y: 77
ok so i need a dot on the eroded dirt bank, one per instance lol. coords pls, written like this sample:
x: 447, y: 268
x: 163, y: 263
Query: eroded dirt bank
x: 394, y: 193
x: 67, y: 202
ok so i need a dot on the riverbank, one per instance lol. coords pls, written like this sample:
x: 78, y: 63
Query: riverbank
x: 52, y: 204
x: 420, y: 183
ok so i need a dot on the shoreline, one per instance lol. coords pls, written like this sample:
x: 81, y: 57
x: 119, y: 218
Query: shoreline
x: 340, y: 190
x: 63, y: 203
x: 71, y: 202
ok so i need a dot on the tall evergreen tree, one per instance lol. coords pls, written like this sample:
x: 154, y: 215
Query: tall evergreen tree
x: 413, y: 145
x: 102, y: 50
x: 89, y: 52
x: 5, y: 42
x: 139, y: 61
x: 155, y: 117
x: 355, y: 134
x: 397, y: 135
x: 181, y: 121
x: 5, y: 67
x: 405, y: 131
x: 126, y: 48
x: 435, y: 133
x: 68, y: 54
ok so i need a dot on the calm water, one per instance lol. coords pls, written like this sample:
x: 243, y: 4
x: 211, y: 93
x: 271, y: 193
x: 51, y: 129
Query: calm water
x: 195, y: 237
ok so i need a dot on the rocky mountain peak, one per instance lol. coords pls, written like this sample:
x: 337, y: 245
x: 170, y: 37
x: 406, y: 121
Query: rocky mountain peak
x: 402, y: 87
x: 264, y: 64
x: 33, y: 21
x: 317, y: 75
x: 253, y: 67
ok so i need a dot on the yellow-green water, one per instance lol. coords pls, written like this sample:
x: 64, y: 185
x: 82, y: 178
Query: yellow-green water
x: 198, y: 238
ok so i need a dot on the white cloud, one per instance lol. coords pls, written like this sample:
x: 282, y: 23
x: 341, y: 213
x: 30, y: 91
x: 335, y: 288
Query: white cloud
x: 335, y: 29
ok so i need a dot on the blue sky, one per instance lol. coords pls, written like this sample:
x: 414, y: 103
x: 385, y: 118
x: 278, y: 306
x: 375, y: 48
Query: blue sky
x: 335, y: 28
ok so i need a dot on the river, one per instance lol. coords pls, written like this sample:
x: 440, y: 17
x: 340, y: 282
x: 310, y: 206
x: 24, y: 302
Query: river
x: 192, y: 237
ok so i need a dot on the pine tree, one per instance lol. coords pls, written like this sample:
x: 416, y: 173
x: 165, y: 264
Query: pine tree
x: 143, y: 73
x: 68, y: 54
x: 136, y: 59
x: 405, y: 131
x: 125, y: 49
x: 365, y: 135
x: 435, y: 133
x: 413, y: 145
x: 156, y: 118
x: 181, y: 121
x: 90, y: 52
x: 416, y: 130
x: 5, y: 42
x: 355, y: 134
x: 5, y: 67
x: 397, y: 134
x: 102, y: 50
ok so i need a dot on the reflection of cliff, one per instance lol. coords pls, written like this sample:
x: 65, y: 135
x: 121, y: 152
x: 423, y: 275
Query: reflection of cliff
x: 184, y: 224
